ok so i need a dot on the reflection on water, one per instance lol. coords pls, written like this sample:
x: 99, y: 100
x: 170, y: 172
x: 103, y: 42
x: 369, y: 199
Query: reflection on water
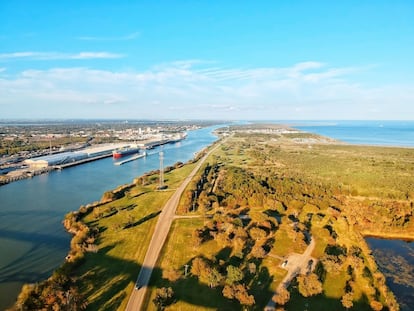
x: 33, y: 241
x: 395, y: 259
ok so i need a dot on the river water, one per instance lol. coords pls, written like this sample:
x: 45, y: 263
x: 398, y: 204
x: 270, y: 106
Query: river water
x: 33, y: 241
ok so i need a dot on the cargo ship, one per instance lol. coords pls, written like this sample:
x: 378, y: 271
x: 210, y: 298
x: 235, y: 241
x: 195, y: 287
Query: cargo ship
x: 125, y: 151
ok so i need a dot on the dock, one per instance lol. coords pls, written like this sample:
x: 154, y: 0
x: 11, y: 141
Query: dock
x: 74, y: 163
x: 138, y: 156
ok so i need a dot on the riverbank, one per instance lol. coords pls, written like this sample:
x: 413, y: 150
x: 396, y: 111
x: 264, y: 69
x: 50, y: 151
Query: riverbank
x: 33, y: 209
x: 129, y: 212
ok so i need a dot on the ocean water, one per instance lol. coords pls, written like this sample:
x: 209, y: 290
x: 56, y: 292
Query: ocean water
x: 382, y: 133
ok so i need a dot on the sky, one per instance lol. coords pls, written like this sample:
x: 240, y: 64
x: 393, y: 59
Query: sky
x: 232, y: 60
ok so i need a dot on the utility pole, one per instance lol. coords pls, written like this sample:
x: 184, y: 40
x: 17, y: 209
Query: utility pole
x: 161, y: 185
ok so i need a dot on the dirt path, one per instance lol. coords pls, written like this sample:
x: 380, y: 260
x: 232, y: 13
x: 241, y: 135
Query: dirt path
x: 296, y: 264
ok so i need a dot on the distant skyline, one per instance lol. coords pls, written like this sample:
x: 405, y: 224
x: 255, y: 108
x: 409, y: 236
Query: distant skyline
x: 262, y: 60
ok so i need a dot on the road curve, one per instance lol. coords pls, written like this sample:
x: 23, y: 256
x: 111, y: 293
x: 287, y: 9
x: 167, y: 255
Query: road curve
x: 159, y: 236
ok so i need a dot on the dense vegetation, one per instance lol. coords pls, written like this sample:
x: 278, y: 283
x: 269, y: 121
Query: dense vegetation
x: 259, y: 199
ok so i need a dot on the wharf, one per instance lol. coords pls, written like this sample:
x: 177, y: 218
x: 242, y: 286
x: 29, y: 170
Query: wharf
x: 74, y: 163
x: 131, y: 159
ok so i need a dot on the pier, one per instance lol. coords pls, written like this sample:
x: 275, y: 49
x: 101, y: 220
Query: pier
x: 131, y: 159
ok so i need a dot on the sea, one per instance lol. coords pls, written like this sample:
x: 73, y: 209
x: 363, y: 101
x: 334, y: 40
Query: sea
x: 381, y: 133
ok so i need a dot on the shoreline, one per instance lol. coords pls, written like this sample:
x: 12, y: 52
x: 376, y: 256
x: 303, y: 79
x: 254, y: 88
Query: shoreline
x: 360, y: 141
x: 388, y: 236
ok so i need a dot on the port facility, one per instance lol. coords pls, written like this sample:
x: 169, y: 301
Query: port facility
x: 66, y: 158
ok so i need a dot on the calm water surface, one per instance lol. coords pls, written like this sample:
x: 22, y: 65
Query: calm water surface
x: 385, y: 133
x: 33, y: 241
x: 395, y: 259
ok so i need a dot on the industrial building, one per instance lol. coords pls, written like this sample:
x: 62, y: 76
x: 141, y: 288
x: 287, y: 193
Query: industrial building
x: 72, y: 157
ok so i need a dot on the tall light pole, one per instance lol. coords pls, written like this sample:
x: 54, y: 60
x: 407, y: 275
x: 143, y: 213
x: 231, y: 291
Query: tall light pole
x: 161, y: 185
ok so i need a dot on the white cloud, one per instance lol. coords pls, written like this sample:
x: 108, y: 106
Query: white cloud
x: 57, y: 55
x: 94, y: 55
x: 131, y: 36
x: 194, y: 89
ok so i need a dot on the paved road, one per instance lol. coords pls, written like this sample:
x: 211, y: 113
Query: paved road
x: 296, y: 264
x: 157, y: 241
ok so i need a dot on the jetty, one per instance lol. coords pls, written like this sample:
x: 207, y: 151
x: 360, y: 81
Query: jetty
x: 138, y: 156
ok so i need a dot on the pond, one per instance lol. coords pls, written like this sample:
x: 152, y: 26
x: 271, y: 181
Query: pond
x: 395, y: 258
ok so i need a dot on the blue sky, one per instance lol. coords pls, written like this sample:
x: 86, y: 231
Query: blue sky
x: 207, y: 59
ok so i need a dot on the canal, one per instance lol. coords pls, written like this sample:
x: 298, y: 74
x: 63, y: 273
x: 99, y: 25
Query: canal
x: 33, y: 241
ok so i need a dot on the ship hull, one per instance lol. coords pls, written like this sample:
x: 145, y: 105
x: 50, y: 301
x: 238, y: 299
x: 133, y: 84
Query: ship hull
x: 122, y: 153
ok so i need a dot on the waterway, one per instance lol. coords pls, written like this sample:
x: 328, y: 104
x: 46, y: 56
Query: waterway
x: 395, y: 259
x: 33, y: 241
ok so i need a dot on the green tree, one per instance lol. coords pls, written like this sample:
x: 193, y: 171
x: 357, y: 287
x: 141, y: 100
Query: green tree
x: 234, y: 274
x: 309, y: 285
x: 214, y: 278
x: 163, y: 297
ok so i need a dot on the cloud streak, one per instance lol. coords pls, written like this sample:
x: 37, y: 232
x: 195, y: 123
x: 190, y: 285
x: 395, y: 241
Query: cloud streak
x: 193, y: 89
x: 57, y: 56
x: 128, y: 37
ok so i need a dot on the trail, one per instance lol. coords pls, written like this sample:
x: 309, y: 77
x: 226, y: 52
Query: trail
x: 296, y: 264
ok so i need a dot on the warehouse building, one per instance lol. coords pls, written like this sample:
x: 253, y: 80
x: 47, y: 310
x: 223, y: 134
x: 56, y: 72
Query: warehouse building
x: 71, y: 157
x: 55, y: 159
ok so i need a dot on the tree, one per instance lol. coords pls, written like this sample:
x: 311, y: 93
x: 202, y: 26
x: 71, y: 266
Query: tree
x: 376, y: 305
x: 228, y: 291
x: 163, y: 297
x: 171, y: 275
x: 257, y: 233
x: 309, y: 285
x: 214, y: 278
x: 282, y: 296
x: 347, y: 300
x: 243, y: 296
x: 258, y: 251
x: 199, y: 266
x: 234, y: 275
